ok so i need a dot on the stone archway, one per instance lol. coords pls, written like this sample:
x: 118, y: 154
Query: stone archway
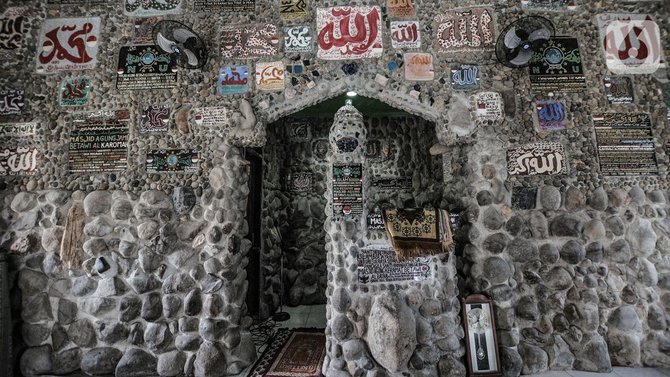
x: 349, y: 305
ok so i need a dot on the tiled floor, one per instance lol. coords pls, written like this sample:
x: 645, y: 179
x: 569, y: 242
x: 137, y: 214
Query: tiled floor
x: 309, y: 316
x: 616, y: 372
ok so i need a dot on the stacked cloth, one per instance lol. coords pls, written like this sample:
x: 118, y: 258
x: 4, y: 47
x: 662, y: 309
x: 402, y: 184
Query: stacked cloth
x: 418, y: 232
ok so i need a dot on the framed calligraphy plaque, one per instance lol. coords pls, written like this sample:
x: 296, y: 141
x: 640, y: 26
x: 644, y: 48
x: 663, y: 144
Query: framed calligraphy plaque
x: 300, y: 131
x: 298, y: 39
x: 144, y: 8
x: 270, y: 76
x: 13, y: 27
x: 290, y: 10
x: 11, y: 101
x: 349, y: 32
x: 470, y: 29
x: 172, y: 161
x: 405, y: 34
x: 619, y: 89
x: 233, y: 80
x: 155, y: 118
x: 301, y: 182
x: 249, y: 41
x: 549, y: 5
x: 18, y: 129
x: 625, y: 144
x: 143, y: 30
x: 145, y: 67
x: 418, y: 66
x: 401, y: 8
x: 465, y: 77
x: 538, y: 158
x: 99, y: 141
x: 550, y: 115
x: 226, y: 6
x: 19, y: 157
x: 557, y: 66
x: 631, y: 43
x: 378, y: 264
x: 75, y: 91
x: 347, y: 189
x: 68, y: 44
x: 488, y: 106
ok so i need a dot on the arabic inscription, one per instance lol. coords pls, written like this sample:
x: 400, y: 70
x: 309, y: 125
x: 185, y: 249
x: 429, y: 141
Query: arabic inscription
x: 349, y: 32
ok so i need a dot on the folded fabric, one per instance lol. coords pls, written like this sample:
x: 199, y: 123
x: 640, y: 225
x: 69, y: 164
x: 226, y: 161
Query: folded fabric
x: 418, y: 232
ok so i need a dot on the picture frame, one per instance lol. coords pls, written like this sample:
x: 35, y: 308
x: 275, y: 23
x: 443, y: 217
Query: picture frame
x: 480, y: 336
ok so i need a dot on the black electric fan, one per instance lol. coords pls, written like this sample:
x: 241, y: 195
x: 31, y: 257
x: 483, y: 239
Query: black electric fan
x: 520, y: 39
x: 178, y: 39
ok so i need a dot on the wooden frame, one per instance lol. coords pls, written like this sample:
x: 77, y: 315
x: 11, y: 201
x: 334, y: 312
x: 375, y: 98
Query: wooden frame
x: 481, y: 346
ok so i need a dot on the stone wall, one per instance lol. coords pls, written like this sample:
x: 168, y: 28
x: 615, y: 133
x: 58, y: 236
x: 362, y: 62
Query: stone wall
x: 159, y: 288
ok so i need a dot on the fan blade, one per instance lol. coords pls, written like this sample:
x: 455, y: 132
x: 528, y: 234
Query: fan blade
x: 192, y: 58
x: 164, y: 43
x: 540, y: 34
x: 181, y: 35
x: 522, y: 59
x: 511, y: 39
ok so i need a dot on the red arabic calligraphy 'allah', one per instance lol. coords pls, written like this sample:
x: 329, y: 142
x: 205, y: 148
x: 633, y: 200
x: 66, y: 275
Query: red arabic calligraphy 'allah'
x: 52, y: 47
x: 356, y: 44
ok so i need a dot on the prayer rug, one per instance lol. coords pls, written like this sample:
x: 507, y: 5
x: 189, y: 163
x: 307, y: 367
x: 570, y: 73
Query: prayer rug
x: 292, y: 353
x: 418, y: 232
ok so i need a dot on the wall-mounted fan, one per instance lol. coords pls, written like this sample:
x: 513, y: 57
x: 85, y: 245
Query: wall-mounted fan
x: 176, y: 38
x: 518, y: 41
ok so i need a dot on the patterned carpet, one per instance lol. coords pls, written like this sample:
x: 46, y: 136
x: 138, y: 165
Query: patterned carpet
x: 292, y: 353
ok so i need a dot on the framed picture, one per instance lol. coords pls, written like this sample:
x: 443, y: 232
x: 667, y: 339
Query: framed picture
x: 480, y: 336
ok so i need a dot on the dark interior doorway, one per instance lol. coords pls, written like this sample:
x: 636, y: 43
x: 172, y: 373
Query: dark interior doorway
x: 254, y: 208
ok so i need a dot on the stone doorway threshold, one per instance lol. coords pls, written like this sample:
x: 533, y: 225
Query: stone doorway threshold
x: 616, y: 372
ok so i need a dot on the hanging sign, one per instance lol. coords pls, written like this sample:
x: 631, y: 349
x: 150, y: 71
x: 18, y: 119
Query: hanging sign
x: 226, y: 6
x: 298, y: 39
x: 290, y: 10
x: 151, y: 7
x: 400, y: 8
x: 13, y: 28
x: 469, y: 29
x: 549, y: 5
x: 347, y: 189
x: 557, y: 66
x: 99, y: 141
x: 378, y: 264
x: 537, y: 158
x: 155, y: 118
x: 465, y: 77
x: 349, y: 32
x: 11, y: 101
x: 550, y: 115
x: 270, y: 76
x: 488, y: 106
x: 249, y: 41
x: 631, y: 43
x: 301, y: 182
x: 405, y: 34
x: 145, y: 67
x: 625, y: 144
x: 68, y: 44
x: 172, y: 161
x: 75, y: 91
x: 418, y: 66
x: 233, y: 80
x: 618, y: 89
